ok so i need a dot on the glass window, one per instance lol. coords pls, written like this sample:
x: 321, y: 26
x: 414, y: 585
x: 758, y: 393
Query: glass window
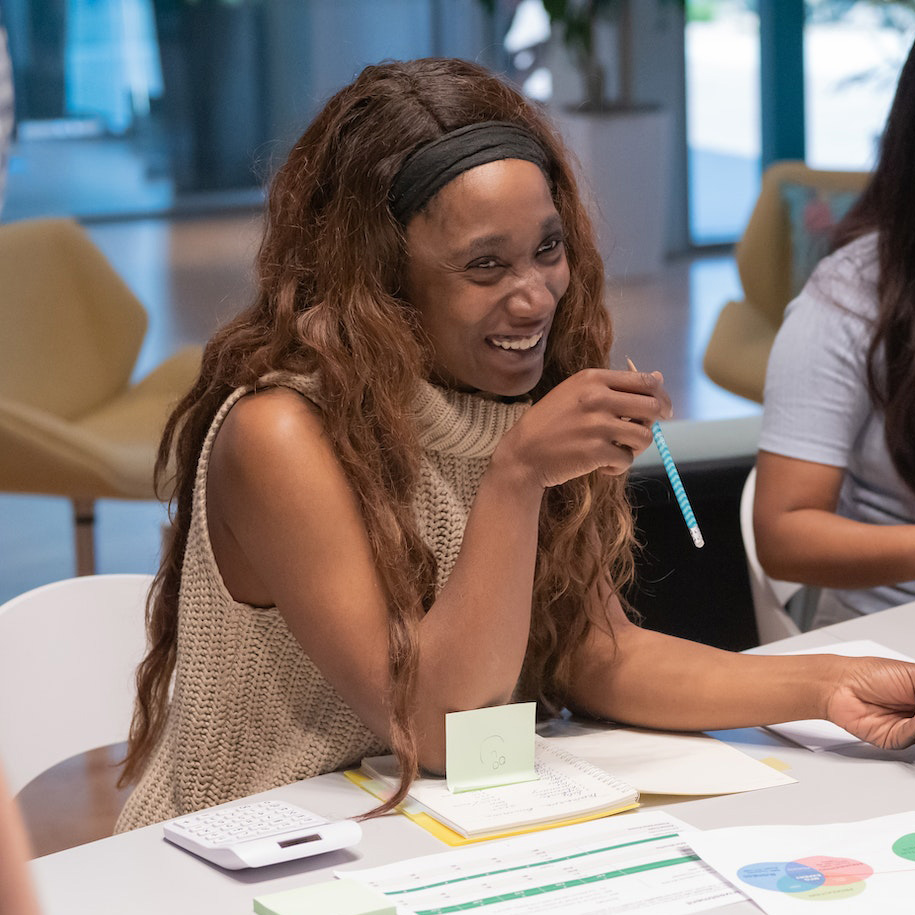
x: 722, y: 117
x: 145, y: 106
x: 852, y: 58
x: 87, y: 78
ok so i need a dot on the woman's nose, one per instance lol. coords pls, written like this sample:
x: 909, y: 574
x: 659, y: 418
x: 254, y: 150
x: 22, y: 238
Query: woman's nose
x: 532, y: 294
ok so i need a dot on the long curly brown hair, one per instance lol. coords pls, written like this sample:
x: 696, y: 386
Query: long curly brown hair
x: 885, y: 207
x: 331, y: 302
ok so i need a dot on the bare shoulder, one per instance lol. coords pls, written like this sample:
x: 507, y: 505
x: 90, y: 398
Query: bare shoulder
x: 270, y: 418
x: 270, y: 441
x: 274, y: 430
x: 273, y: 475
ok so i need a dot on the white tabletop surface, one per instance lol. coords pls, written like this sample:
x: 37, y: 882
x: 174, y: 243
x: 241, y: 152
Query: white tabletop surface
x: 140, y: 873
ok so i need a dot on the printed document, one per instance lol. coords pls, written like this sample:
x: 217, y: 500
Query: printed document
x: 635, y: 861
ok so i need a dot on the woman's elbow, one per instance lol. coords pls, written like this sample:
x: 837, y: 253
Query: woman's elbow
x: 430, y: 730
x: 432, y: 761
x: 775, y: 560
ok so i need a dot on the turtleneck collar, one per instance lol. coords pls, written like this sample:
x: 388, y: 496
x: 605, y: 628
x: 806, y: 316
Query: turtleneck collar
x: 465, y: 425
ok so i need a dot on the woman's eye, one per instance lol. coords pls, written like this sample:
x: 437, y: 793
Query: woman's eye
x: 549, y: 246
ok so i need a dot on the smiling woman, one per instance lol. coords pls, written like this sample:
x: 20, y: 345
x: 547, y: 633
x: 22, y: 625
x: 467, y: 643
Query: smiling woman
x: 401, y: 474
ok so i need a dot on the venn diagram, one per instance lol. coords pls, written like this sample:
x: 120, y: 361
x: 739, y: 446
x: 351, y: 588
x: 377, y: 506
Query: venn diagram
x: 819, y: 877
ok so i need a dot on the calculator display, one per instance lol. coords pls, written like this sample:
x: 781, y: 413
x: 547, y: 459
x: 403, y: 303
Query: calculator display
x: 298, y: 840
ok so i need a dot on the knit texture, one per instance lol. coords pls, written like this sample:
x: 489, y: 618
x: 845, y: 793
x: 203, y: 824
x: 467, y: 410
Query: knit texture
x: 249, y: 709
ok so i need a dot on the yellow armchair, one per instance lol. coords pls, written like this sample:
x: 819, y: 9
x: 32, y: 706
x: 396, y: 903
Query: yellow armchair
x: 72, y: 423
x: 738, y: 349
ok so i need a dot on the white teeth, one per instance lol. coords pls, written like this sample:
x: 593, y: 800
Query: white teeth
x: 519, y: 343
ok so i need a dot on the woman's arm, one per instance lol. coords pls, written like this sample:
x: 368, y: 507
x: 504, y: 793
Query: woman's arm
x: 287, y: 530
x: 639, y: 677
x: 817, y: 420
x: 799, y: 537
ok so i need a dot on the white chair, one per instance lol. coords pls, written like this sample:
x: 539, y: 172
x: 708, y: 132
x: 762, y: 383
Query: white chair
x: 770, y: 595
x: 68, y: 655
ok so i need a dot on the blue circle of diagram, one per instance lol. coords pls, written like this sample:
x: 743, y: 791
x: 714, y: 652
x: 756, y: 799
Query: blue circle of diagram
x: 764, y: 874
x: 781, y: 876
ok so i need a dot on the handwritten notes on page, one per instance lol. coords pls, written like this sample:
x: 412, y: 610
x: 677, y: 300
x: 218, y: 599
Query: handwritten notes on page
x: 567, y: 788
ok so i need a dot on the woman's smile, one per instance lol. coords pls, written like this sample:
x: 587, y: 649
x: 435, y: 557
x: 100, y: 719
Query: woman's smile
x: 517, y: 344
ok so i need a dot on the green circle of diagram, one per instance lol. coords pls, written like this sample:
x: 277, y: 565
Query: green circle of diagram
x: 904, y: 846
x: 827, y: 893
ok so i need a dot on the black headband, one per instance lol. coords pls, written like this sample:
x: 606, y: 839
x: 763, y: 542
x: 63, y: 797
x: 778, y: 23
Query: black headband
x: 432, y: 166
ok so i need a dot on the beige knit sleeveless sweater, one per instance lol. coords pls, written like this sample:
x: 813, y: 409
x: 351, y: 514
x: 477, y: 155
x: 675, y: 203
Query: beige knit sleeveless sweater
x: 249, y: 709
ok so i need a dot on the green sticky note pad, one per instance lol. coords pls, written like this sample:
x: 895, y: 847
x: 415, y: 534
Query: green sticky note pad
x: 488, y: 747
x: 333, y: 897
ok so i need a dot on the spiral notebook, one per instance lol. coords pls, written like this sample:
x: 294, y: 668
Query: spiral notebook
x: 568, y: 789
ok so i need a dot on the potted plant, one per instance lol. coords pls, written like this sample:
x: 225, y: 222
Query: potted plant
x: 622, y: 144
x: 578, y: 22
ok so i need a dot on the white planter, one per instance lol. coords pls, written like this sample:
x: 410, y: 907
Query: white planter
x: 625, y: 176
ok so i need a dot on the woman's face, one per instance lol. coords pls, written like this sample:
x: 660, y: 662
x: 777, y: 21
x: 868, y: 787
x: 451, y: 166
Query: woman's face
x: 486, y: 270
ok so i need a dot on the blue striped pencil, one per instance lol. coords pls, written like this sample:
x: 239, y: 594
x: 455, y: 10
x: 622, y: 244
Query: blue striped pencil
x: 674, y: 476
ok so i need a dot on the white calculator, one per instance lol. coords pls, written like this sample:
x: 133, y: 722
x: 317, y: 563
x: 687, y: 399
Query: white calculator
x: 259, y: 833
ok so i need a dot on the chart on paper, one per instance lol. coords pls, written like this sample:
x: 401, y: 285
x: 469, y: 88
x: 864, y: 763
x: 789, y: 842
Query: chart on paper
x: 862, y: 867
x: 820, y: 877
x: 636, y: 860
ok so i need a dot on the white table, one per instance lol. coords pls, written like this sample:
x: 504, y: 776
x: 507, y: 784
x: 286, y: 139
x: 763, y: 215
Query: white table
x: 140, y: 873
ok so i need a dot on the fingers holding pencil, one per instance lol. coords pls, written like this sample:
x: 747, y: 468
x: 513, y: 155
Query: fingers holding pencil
x: 673, y: 475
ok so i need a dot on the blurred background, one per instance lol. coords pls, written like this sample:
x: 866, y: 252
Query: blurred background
x: 157, y: 123
x: 138, y: 107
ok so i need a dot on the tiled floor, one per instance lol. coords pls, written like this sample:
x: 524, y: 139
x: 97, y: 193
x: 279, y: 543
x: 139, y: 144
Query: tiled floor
x: 193, y: 273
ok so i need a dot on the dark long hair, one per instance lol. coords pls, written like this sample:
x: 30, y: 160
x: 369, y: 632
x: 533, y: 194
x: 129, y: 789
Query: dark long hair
x: 886, y: 207
x: 330, y: 301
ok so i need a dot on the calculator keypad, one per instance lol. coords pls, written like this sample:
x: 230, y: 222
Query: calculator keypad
x: 232, y: 825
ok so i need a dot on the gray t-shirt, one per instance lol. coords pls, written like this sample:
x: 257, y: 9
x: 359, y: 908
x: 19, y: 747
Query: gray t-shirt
x: 817, y: 407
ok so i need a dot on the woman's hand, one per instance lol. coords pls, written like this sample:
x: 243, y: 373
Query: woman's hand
x: 597, y: 419
x: 875, y: 700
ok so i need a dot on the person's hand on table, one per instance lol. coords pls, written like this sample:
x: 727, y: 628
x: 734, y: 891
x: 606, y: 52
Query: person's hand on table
x: 875, y: 700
